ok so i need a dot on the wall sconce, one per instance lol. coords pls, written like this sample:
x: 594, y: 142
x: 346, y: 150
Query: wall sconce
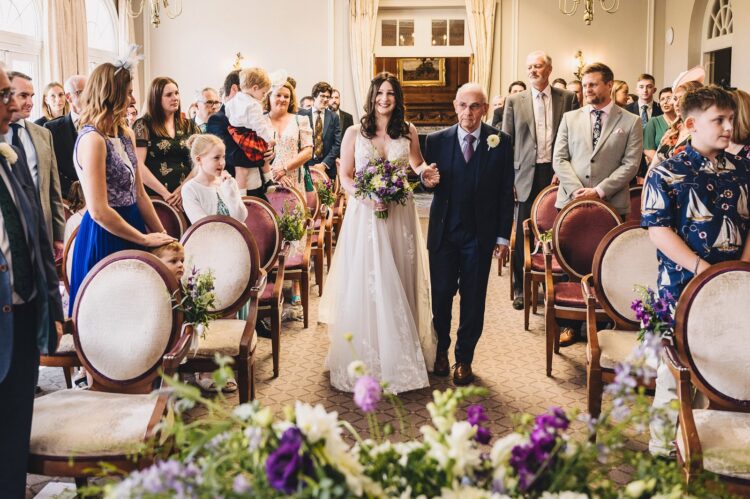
x: 578, y: 64
x: 238, y: 57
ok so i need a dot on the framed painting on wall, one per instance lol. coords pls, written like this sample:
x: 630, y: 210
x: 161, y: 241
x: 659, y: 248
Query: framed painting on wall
x: 422, y: 71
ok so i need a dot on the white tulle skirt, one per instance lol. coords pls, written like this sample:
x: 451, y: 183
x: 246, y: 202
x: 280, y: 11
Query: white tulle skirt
x: 378, y: 289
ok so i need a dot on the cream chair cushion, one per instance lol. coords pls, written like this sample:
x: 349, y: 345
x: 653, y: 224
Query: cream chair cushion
x: 124, y: 319
x: 87, y: 423
x: 718, y: 334
x: 220, y: 248
x: 725, y: 441
x: 630, y: 260
x: 66, y: 344
x: 616, y: 345
x: 223, y: 337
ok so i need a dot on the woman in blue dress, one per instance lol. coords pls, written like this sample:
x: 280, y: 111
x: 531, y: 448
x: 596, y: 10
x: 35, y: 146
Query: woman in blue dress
x: 119, y: 211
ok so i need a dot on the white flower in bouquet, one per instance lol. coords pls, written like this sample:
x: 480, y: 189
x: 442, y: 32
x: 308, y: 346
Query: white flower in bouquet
x: 500, y: 453
x: 467, y: 492
x: 264, y: 417
x: 8, y: 153
x: 315, y: 422
x: 244, y: 411
x: 564, y: 495
x: 356, y: 368
x: 462, y: 448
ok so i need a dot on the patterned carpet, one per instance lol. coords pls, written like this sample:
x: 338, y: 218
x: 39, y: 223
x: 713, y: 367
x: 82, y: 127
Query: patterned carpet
x: 509, y: 362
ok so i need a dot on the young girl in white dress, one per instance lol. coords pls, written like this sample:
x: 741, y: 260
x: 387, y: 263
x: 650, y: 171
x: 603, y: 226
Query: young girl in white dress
x: 378, y: 288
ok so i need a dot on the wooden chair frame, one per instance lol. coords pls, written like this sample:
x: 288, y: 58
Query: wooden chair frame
x: 85, y: 466
x: 327, y: 214
x: 179, y: 215
x: 244, y: 361
x: 552, y: 313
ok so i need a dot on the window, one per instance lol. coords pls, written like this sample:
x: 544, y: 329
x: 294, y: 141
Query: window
x: 439, y: 32
x: 456, y: 32
x: 720, y: 23
x: 102, y: 31
x: 397, y: 32
x: 448, y: 32
x: 21, y: 42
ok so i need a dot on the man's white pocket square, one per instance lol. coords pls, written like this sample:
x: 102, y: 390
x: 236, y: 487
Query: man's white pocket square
x: 619, y: 130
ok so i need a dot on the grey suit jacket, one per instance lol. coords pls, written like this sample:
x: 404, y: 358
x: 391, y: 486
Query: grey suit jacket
x: 610, y: 166
x: 518, y: 122
x: 49, y: 181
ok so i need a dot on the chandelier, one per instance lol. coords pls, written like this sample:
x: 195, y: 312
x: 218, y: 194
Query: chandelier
x: 155, y: 7
x: 588, y: 8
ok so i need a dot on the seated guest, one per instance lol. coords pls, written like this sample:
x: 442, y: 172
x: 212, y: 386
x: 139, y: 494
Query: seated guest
x: 208, y: 103
x: 161, y: 135
x: 54, y: 103
x: 65, y: 132
x: 497, y: 114
x: 306, y: 102
x: 560, y: 83
x: 326, y: 130
x: 77, y: 208
x: 172, y: 255
x: 576, y: 87
x: 620, y: 93
x: 695, y: 208
x: 658, y: 125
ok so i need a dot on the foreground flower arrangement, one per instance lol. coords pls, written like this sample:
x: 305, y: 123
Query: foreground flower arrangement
x: 243, y: 451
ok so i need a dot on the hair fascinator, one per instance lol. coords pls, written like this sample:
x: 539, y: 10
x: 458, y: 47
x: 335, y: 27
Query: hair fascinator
x: 693, y: 74
x: 129, y: 60
x: 278, y: 78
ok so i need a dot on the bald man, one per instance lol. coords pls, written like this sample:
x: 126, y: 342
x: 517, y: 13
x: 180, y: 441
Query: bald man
x: 470, y: 221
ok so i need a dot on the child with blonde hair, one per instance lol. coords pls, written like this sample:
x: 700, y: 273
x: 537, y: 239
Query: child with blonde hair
x: 212, y: 191
x: 173, y: 256
x: 249, y: 127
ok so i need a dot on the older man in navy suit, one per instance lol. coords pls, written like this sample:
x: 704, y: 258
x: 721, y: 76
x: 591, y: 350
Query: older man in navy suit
x: 470, y: 220
x: 30, y: 309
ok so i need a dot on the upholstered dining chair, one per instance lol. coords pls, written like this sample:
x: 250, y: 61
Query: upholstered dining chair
x: 710, y: 357
x: 625, y: 257
x: 261, y: 221
x: 174, y: 221
x: 317, y: 233
x: 543, y: 213
x: 635, y: 203
x: 326, y: 217
x: 508, y: 258
x: 225, y: 247
x: 297, y: 265
x: 67, y: 261
x: 576, y: 233
x: 127, y: 332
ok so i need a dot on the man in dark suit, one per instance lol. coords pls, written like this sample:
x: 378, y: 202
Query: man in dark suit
x: 235, y: 157
x: 65, y: 132
x: 30, y: 308
x: 531, y: 119
x: 345, y: 119
x: 326, y: 129
x: 646, y: 107
x: 470, y: 221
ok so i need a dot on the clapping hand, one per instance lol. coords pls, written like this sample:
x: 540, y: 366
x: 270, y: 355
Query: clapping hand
x: 430, y: 176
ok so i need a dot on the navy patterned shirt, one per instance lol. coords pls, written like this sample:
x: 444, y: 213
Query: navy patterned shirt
x: 706, y: 205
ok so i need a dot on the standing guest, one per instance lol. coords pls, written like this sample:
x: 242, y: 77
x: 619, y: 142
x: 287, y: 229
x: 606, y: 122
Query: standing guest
x: 646, y: 108
x: 695, y: 208
x: 258, y: 172
x: 208, y: 104
x: 306, y: 102
x: 345, y: 118
x: 658, y: 126
x: 677, y: 136
x: 560, y: 83
x: 620, y: 93
x: 192, y: 111
x: 597, y: 154
x: 161, y: 136
x: 119, y: 210
x: 497, y: 114
x: 35, y: 143
x: 65, y: 132
x: 31, y: 311
x: 326, y: 130
x: 131, y: 116
x: 576, y: 87
x: 497, y: 101
x: 532, y: 118
x: 740, y: 143
x: 54, y: 103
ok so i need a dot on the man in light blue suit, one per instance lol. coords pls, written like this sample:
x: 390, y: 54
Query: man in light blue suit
x: 30, y: 308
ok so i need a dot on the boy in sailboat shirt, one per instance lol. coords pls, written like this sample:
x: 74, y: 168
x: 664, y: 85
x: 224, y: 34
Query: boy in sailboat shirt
x: 695, y: 206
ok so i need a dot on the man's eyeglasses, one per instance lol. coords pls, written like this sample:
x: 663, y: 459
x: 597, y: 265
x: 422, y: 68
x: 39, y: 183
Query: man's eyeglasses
x: 6, y: 95
x: 211, y: 103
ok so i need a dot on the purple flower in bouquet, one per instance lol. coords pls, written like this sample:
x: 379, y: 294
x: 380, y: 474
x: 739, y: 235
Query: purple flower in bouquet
x: 286, y: 463
x: 383, y: 182
x: 654, y: 312
x: 367, y: 393
x: 475, y: 415
x: 526, y: 459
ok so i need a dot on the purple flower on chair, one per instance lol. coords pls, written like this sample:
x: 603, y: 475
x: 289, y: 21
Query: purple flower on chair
x: 286, y: 463
x: 367, y: 393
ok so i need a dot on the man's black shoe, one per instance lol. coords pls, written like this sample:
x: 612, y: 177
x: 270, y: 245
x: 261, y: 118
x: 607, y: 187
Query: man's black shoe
x: 518, y: 302
x: 262, y: 330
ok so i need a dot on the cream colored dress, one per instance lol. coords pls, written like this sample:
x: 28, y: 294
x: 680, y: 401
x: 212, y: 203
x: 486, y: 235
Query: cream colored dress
x: 378, y: 289
x: 296, y: 136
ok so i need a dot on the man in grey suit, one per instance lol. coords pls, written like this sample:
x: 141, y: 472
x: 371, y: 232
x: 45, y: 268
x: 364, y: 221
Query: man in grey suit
x: 30, y: 309
x: 531, y: 118
x: 38, y: 150
x: 597, y: 153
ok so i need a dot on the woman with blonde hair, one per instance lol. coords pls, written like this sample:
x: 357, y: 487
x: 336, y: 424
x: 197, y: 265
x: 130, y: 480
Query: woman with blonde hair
x: 119, y: 211
x: 54, y: 103
x: 740, y: 143
x: 620, y: 92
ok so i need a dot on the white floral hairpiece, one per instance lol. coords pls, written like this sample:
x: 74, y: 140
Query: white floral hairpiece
x: 8, y: 153
x: 278, y: 78
x: 130, y: 60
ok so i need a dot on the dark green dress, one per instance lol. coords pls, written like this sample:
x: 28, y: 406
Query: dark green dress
x: 166, y: 157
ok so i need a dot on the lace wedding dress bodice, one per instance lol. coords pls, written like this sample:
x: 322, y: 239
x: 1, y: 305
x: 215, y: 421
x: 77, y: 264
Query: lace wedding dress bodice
x: 378, y: 289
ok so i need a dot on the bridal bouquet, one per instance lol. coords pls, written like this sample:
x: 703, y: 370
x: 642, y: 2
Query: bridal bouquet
x: 384, y: 182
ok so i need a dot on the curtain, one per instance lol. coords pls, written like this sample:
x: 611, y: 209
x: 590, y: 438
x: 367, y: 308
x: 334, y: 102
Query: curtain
x: 363, y: 17
x: 68, y: 49
x: 126, y: 30
x: 480, y: 15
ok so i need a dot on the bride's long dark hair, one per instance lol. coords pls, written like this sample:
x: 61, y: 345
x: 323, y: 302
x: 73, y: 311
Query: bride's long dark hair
x: 397, y: 126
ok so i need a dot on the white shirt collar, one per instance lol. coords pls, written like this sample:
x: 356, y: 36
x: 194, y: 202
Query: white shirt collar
x: 607, y: 109
x: 463, y: 133
x: 547, y: 91
x: 647, y: 104
x: 21, y: 122
x: 75, y: 117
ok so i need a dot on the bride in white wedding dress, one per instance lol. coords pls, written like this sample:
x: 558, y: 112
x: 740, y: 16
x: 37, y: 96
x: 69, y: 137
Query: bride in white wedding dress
x: 378, y: 287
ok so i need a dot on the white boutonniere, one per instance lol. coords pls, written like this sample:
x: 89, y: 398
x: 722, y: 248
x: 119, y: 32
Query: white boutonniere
x: 8, y: 153
x: 493, y: 141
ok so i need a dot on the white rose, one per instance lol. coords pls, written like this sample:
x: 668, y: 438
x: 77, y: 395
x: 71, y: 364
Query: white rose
x: 493, y: 141
x: 8, y: 153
